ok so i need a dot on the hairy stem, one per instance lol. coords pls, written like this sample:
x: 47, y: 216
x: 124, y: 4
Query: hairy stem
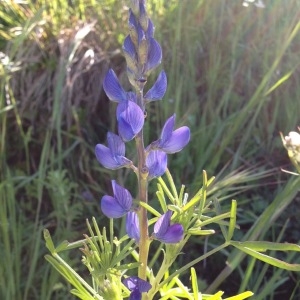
x: 143, y: 197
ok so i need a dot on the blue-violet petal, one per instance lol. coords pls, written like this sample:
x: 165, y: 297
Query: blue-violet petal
x: 135, y: 295
x: 119, y: 205
x: 159, y: 88
x: 136, y: 283
x: 111, y: 207
x: 113, y: 156
x: 150, y: 30
x: 115, y: 144
x: 132, y: 226
x: 113, y: 88
x: 167, y: 130
x: 173, y: 235
x: 106, y: 158
x: 129, y: 47
x: 165, y: 232
x: 130, y: 120
x: 156, y: 163
x: 154, y: 55
x: 179, y: 139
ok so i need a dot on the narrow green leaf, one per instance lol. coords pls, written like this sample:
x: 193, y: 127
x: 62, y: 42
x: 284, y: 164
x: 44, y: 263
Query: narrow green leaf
x: 162, y: 200
x: 203, y: 198
x: 194, y: 284
x: 241, y: 296
x: 166, y: 189
x: 62, y: 246
x: 279, y: 82
x: 49, y: 243
x: 173, y: 186
x: 197, y: 196
x: 262, y: 246
x: 215, y: 219
x: 197, y: 231
x: 216, y: 296
x: 268, y: 259
x: 218, y: 212
x: 181, y: 195
x: 150, y: 208
x: 128, y: 266
x: 232, y: 221
x: 174, y: 208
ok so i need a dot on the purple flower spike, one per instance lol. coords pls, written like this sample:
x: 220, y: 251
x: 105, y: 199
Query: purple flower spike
x: 132, y: 226
x: 166, y: 233
x: 113, y: 88
x: 172, y: 141
x: 156, y: 162
x: 137, y: 286
x: 118, y: 205
x: 158, y: 89
x: 130, y: 120
x: 113, y: 156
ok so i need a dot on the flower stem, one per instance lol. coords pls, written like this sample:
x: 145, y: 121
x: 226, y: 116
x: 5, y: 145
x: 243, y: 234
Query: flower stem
x: 144, y: 242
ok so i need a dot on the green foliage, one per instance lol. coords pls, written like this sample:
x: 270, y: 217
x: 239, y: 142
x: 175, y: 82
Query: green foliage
x: 103, y: 257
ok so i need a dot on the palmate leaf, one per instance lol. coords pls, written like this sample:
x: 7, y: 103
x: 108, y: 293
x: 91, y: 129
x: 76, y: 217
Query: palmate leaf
x: 254, y: 248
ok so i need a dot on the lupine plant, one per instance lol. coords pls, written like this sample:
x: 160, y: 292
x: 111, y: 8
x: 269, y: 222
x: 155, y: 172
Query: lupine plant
x: 122, y: 267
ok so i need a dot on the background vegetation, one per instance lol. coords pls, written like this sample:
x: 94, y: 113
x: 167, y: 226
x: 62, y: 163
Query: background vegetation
x: 233, y: 77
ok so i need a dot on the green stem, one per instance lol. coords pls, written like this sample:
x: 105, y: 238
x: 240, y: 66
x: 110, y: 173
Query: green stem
x: 143, y: 197
x: 144, y: 242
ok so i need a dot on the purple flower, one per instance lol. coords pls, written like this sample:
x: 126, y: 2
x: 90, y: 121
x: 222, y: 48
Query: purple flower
x: 165, y: 232
x: 132, y: 226
x: 156, y: 163
x: 113, y: 156
x: 158, y: 89
x: 150, y: 29
x: 137, y: 286
x: 154, y: 55
x: 130, y: 54
x: 172, y: 141
x: 113, y: 88
x: 130, y: 119
x: 119, y: 204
